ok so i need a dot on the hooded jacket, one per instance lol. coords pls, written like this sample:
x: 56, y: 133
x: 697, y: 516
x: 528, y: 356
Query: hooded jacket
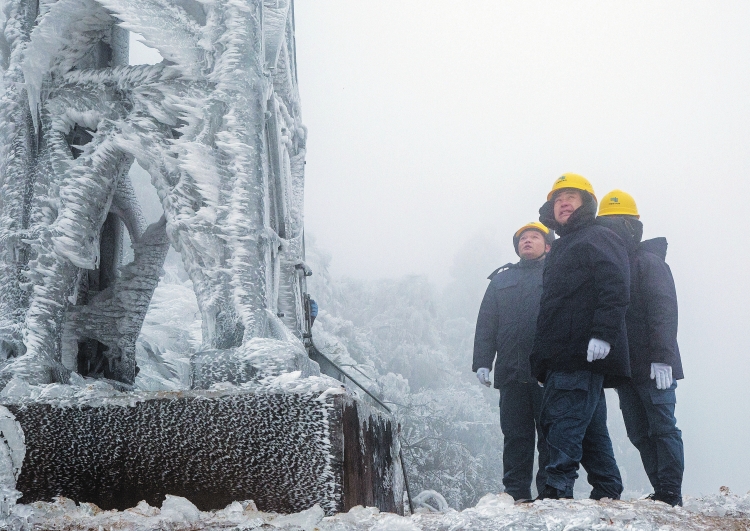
x: 586, y: 291
x: 652, y: 315
x: 507, y: 321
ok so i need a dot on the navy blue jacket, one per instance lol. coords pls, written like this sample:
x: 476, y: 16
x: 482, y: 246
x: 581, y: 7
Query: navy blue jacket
x: 507, y: 321
x: 652, y: 315
x: 586, y: 294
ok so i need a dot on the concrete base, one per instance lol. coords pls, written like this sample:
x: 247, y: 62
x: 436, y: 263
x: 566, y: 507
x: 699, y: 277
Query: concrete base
x: 285, y: 450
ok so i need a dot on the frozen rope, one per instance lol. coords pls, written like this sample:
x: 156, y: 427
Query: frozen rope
x: 439, y: 504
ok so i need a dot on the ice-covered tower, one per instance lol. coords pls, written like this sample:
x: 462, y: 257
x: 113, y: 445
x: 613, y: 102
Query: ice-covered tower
x: 217, y: 126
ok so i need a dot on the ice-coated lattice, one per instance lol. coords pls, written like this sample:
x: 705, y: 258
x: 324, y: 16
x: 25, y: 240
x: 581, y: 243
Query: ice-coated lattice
x: 217, y: 126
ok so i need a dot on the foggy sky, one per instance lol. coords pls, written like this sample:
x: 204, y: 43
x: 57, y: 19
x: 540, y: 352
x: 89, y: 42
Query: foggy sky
x: 431, y: 121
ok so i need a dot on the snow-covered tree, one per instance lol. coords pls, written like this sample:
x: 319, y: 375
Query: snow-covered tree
x: 399, y: 339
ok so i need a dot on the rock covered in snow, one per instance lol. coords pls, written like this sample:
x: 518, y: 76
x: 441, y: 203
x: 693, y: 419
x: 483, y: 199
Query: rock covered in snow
x: 492, y: 513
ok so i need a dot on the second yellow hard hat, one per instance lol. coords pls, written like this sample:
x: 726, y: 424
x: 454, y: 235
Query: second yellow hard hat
x: 532, y: 225
x: 618, y: 203
x: 549, y: 237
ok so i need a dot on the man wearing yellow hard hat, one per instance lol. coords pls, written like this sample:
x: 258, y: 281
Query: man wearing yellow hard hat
x: 504, y: 335
x: 648, y: 400
x: 580, y: 345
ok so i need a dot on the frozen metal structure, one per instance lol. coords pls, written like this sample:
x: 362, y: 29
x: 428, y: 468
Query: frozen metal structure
x: 216, y: 125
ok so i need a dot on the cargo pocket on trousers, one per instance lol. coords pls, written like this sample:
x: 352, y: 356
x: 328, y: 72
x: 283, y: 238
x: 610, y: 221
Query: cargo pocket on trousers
x: 663, y: 396
x: 567, y: 393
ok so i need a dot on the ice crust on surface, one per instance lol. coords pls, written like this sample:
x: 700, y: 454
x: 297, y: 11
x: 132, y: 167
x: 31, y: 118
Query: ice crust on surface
x: 493, y: 512
x: 306, y: 520
x: 12, y: 452
x: 95, y: 392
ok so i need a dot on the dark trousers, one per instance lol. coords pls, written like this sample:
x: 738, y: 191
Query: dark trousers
x: 520, y: 406
x: 574, y: 420
x: 648, y: 413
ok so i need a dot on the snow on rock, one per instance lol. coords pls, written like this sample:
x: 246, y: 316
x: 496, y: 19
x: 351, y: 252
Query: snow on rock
x: 94, y: 392
x: 306, y: 520
x: 493, y: 512
x: 179, y: 509
x: 722, y: 504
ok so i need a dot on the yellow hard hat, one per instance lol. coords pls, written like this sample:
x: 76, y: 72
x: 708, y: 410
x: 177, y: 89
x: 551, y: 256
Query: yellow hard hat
x: 541, y: 227
x: 571, y: 180
x: 618, y: 203
x: 549, y: 236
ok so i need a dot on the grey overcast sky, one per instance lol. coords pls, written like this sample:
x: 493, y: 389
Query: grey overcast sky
x: 432, y: 120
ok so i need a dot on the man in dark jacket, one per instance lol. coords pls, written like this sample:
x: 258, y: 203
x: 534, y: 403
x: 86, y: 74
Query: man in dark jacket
x: 581, y: 343
x: 648, y: 401
x: 505, y: 328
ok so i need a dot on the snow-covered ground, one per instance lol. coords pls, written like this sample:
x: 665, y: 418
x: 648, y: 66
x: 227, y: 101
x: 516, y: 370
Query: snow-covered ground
x: 493, y: 512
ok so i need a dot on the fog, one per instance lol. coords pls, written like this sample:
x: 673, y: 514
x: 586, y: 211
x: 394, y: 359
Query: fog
x: 437, y: 128
x: 432, y: 121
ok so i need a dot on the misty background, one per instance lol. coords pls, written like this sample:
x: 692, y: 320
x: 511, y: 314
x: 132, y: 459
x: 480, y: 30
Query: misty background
x: 436, y: 129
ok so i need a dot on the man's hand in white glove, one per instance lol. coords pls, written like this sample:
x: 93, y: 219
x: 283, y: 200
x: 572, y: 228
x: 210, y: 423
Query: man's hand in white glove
x: 598, y: 349
x: 483, y: 375
x: 662, y: 373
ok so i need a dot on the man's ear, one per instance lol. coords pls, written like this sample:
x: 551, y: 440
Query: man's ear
x: 547, y: 248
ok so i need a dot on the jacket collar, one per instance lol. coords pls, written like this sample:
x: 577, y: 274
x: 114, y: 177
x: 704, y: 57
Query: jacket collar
x: 657, y: 246
x: 524, y: 264
x: 531, y: 264
x: 630, y: 230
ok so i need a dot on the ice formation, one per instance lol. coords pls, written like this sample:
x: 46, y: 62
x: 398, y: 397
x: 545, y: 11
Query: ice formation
x: 217, y: 126
x: 12, y: 452
x: 493, y: 512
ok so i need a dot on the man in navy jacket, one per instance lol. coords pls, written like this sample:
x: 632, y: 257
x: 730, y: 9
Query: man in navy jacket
x: 648, y: 401
x: 504, y: 335
x: 581, y: 342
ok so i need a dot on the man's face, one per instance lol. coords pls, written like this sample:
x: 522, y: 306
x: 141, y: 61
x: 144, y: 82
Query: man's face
x: 567, y: 201
x: 531, y: 245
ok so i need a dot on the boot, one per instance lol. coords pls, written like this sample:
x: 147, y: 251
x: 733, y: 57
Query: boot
x: 551, y: 493
x: 668, y: 497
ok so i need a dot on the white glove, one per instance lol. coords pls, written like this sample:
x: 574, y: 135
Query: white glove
x: 662, y: 373
x: 483, y: 375
x: 598, y: 349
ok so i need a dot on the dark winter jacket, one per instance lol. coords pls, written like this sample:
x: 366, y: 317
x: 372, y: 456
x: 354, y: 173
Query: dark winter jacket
x: 507, y: 320
x: 652, y: 315
x: 585, y: 295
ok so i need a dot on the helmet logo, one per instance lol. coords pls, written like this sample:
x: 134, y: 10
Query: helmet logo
x: 561, y: 179
x: 614, y: 200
